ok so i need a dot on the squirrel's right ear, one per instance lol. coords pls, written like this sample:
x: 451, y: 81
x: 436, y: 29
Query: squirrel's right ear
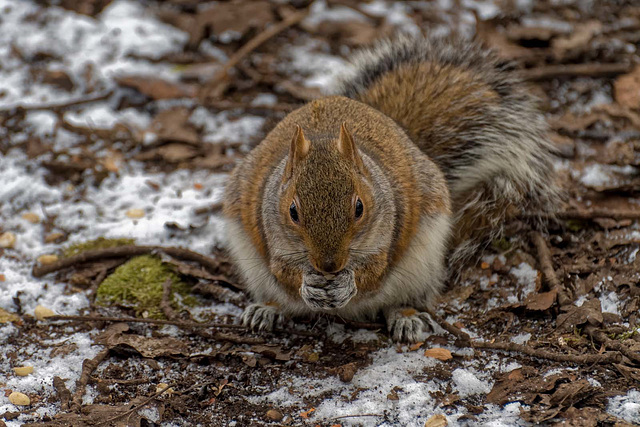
x: 298, y: 151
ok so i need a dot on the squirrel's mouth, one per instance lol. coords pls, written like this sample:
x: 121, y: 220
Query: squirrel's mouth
x: 328, y: 291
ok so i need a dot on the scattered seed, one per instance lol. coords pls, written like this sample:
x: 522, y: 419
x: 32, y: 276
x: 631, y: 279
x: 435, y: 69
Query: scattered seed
x: 31, y: 217
x: 135, y: 213
x: 50, y: 238
x: 42, y: 313
x: 19, y: 399
x: 47, y: 259
x: 484, y: 265
x: 7, y: 240
x: 23, y: 371
x: 2, y: 278
x: 437, y: 421
x: 274, y: 415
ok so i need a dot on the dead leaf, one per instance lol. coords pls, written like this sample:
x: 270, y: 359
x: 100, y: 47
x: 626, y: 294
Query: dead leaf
x: 148, y: 347
x: 157, y: 88
x: 590, y: 312
x: 172, y: 125
x: 627, y: 89
x: 6, y: 317
x: 439, y: 353
x: 541, y: 301
x: 346, y: 372
x: 272, y: 351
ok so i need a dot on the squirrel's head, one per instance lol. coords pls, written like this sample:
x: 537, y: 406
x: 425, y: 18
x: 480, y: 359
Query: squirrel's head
x: 326, y: 204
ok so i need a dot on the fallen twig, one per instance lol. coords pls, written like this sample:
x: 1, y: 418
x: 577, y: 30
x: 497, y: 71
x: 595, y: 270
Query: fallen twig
x: 575, y: 70
x: 88, y: 366
x: 546, y: 265
x: 165, y: 304
x: 137, y: 407
x: 134, y: 381
x: 231, y: 105
x: 60, y: 105
x: 179, y: 323
x: 602, y: 338
x: 126, y: 251
x: 63, y: 392
x: 211, y: 86
x: 581, y: 359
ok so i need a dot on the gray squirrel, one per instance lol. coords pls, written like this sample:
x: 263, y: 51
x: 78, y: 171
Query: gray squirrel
x: 360, y: 203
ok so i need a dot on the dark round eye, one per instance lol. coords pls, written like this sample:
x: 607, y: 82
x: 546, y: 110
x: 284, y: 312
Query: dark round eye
x: 359, y: 208
x: 293, y: 212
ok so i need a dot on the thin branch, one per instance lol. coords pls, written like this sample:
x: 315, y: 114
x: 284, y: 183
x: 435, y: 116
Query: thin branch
x: 60, y: 105
x: 179, y: 323
x: 88, y: 366
x: 137, y: 407
x: 602, y: 338
x: 546, y: 265
x: 211, y: 86
x: 581, y: 359
x: 126, y: 251
x: 575, y: 70
x: 165, y: 303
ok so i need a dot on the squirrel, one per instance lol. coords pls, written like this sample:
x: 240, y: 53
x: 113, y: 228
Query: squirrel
x: 363, y: 201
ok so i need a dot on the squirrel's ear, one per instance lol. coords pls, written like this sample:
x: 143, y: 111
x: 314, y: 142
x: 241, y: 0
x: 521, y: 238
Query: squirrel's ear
x: 347, y: 147
x: 298, y: 151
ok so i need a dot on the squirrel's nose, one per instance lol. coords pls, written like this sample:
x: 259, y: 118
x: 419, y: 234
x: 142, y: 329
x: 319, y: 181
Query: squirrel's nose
x: 328, y: 266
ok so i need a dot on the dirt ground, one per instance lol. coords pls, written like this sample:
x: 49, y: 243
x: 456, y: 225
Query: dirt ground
x: 554, y: 316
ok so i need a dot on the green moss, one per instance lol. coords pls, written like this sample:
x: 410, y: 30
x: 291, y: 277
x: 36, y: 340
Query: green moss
x: 576, y: 225
x: 138, y: 284
x: 625, y: 335
x: 99, y: 243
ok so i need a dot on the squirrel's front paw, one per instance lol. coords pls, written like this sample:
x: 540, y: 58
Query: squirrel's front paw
x: 261, y: 317
x: 406, y: 324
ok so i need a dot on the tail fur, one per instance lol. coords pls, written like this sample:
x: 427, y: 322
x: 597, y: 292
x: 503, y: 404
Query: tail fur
x: 467, y: 110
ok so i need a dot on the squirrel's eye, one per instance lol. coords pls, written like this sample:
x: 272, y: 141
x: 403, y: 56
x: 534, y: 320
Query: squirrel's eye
x: 359, y: 208
x: 293, y: 212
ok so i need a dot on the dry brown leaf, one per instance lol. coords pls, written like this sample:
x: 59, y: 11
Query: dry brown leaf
x: 149, y: 347
x: 307, y: 414
x: 439, y: 353
x: 157, y: 88
x: 172, y: 125
x: 6, y: 317
x: 541, y: 301
x: 590, y: 312
x: 627, y: 89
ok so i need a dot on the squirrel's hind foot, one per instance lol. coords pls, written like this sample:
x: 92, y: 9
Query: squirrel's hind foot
x: 406, y: 324
x: 261, y: 317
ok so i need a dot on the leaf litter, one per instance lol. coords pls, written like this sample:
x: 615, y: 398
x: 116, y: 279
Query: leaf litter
x: 104, y: 119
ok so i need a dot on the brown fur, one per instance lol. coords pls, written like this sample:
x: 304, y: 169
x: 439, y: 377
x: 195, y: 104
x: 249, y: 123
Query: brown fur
x: 321, y: 122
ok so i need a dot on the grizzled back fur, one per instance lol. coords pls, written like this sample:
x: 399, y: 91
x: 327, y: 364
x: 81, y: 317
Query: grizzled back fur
x: 466, y: 109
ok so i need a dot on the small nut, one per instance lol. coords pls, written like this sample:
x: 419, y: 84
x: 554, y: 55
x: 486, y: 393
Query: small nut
x: 135, y: 213
x: 23, y: 371
x: 42, y: 313
x: 47, y: 259
x: 19, y: 399
x: 7, y: 240
x: 31, y: 217
x: 274, y: 415
x: 163, y: 386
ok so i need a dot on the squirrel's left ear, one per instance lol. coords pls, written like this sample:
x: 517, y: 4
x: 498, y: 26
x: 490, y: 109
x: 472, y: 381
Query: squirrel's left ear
x: 347, y: 147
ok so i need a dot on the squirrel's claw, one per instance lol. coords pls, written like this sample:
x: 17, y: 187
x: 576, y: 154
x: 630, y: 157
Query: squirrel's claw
x: 406, y: 324
x: 261, y: 317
